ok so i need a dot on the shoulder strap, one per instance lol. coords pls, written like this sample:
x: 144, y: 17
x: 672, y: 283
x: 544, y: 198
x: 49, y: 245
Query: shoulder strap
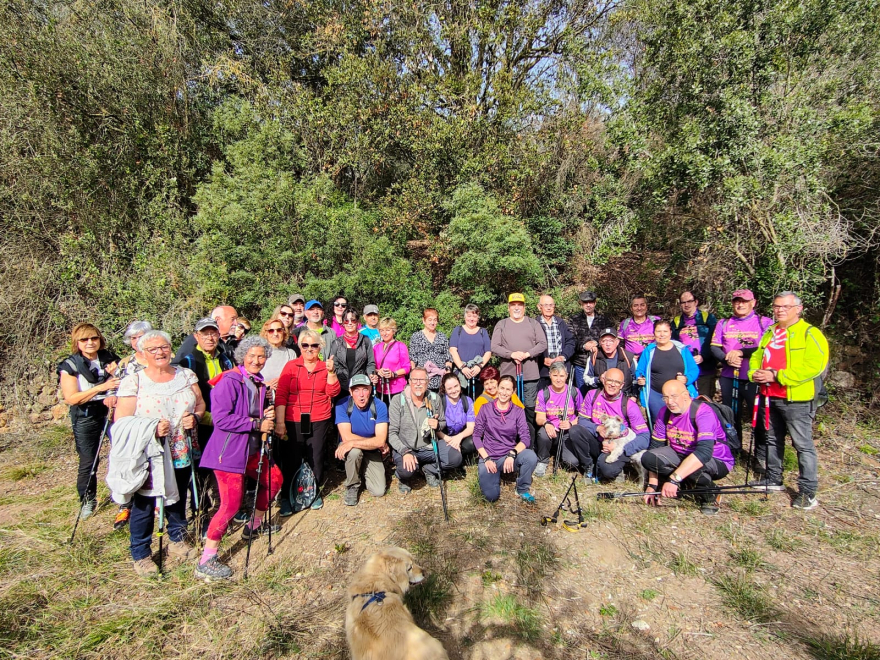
x: 626, y: 322
x: 546, y: 392
x: 350, y: 407
x: 695, y: 406
x: 676, y: 321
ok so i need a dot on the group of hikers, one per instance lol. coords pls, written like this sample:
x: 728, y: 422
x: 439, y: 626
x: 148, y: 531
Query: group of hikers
x: 232, y: 411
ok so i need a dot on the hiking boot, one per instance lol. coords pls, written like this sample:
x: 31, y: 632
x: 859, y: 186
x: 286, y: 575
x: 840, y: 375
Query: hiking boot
x: 213, y: 569
x: 242, y: 517
x: 620, y: 478
x: 767, y: 484
x: 318, y: 503
x: 247, y: 533
x: 88, y: 508
x: 180, y: 549
x: 122, y: 517
x: 285, y: 510
x: 351, y: 496
x: 146, y: 567
x: 710, y: 505
x: 527, y: 497
x: 405, y: 489
x: 540, y: 469
x: 805, y: 501
x: 432, y: 479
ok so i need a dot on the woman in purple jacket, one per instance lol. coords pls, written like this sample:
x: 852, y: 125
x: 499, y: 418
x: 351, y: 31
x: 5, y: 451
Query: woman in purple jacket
x: 241, y: 414
x: 502, y: 439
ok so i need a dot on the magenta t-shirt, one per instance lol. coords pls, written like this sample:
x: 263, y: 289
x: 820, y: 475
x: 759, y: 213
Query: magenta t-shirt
x: 735, y: 334
x: 636, y: 336
x: 556, y: 405
x: 595, y: 404
x: 682, y: 436
x: 397, y: 358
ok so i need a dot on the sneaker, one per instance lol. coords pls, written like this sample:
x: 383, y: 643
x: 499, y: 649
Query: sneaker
x: 404, y: 489
x: 528, y: 498
x: 351, y: 496
x: 122, y: 517
x: 805, y: 501
x: 318, y: 503
x: 213, y: 569
x: 285, y: 510
x: 247, y: 533
x: 145, y: 567
x: 432, y: 479
x: 180, y: 549
x: 710, y: 505
x: 88, y: 508
x: 242, y: 517
x: 767, y: 484
x: 620, y: 478
x: 540, y: 469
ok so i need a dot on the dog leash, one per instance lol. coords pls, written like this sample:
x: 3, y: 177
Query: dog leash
x: 374, y: 597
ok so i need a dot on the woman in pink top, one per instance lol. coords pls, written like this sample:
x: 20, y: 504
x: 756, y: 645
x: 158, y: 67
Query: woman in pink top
x: 392, y: 360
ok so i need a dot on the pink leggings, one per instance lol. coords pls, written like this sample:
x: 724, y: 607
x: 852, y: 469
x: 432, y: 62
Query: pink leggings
x: 231, y: 488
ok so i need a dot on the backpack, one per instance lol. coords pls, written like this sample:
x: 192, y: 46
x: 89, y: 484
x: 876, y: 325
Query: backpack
x: 623, y: 406
x: 701, y: 320
x: 571, y: 393
x: 725, y: 417
x: 625, y: 325
x: 463, y: 399
x: 303, y: 489
x: 350, y: 407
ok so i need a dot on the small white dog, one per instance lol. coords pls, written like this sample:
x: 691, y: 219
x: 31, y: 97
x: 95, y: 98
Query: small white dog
x: 614, y: 433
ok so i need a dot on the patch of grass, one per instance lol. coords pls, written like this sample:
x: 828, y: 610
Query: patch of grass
x: 53, y: 440
x: 607, y: 610
x: 428, y: 600
x: 534, y: 560
x: 750, y: 560
x: 490, y: 577
x: 743, y: 596
x: 477, y: 540
x: 681, y: 565
x: 781, y: 540
x: 789, y: 460
x: 11, y: 559
x: 852, y: 542
x: 754, y: 506
x: 475, y: 495
x: 869, y: 450
x: 648, y: 594
x: 20, y: 472
x: 524, y: 620
x: 847, y: 647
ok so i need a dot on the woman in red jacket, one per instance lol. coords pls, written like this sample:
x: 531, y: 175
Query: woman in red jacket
x: 304, y: 413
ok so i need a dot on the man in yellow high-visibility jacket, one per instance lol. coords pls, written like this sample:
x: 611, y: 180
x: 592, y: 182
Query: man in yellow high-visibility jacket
x: 787, y: 366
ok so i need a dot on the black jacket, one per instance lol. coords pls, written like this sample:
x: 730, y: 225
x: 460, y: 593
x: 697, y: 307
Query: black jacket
x: 196, y: 362
x: 598, y: 365
x: 364, y: 359
x: 568, y: 345
x: 584, y: 333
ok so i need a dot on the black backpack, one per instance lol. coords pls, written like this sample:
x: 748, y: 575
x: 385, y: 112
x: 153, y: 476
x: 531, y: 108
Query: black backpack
x: 725, y: 418
x: 350, y: 408
x: 572, y: 392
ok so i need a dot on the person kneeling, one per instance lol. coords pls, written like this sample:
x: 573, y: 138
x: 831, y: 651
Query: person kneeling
x: 362, y: 421
x: 413, y: 416
x: 694, y: 452
x: 502, y: 439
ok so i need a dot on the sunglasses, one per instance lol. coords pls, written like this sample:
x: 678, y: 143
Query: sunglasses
x: 340, y: 304
x: 285, y: 314
x: 85, y: 339
x: 275, y: 330
x: 310, y: 345
x: 349, y: 322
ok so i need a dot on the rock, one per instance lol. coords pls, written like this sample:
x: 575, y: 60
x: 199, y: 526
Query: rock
x: 45, y: 416
x: 842, y: 379
x: 638, y: 624
x: 47, y: 400
x: 59, y: 411
x: 34, y: 418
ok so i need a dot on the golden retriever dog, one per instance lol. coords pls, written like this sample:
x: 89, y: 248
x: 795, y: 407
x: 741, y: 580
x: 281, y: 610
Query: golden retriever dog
x: 378, y: 625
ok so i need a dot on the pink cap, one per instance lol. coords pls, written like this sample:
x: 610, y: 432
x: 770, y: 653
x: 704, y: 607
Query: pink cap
x: 745, y: 294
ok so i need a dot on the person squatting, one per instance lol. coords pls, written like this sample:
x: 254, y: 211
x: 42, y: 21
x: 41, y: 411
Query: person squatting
x: 602, y: 397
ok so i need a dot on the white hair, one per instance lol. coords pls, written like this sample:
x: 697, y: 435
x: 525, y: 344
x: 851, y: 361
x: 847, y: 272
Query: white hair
x: 152, y: 334
x: 786, y: 294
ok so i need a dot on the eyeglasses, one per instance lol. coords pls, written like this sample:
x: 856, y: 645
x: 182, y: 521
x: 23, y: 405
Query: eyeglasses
x: 785, y: 308
x: 349, y: 322
x: 340, y: 304
x: 273, y: 330
x: 687, y: 302
x: 85, y: 339
x: 285, y: 314
x: 671, y: 396
x: 156, y: 350
x: 418, y: 380
x: 310, y: 345
x: 614, y: 382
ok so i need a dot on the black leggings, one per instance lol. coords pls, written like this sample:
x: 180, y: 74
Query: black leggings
x: 745, y: 408
x: 87, y: 436
x: 664, y: 460
x: 297, y: 448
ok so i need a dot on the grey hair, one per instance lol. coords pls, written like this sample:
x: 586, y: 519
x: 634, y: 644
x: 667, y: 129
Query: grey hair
x: 471, y: 307
x: 152, y: 334
x: 786, y: 294
x: 137, y: 328
x: 558, y: 367
x: 247, y: 344
x: 311, y: 333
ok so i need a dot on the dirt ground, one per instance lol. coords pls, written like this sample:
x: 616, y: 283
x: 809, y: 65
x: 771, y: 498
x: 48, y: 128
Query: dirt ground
x: 758, y: 580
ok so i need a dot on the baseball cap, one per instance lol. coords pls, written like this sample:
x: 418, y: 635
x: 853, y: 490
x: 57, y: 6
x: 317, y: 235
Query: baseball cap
x: 359, y: 379
x: 371, y: 309
x: 207, y: 322
x: 745, y: 294
x: 588, y: 296
x: 608, y: 331
x: 296, y: 297
x: 314, y: 303
x: 516, y: 297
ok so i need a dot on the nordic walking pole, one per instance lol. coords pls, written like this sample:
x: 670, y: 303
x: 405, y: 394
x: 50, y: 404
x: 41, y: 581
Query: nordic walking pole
x: 437, y: 458
x: 552, y: 519
x: 194, y: 483
x: 92, y: 474
x: 719, y: 490
x: 269, y: 438
x: 253, y: 515
x: 161, y: 531
x: 560, y: 435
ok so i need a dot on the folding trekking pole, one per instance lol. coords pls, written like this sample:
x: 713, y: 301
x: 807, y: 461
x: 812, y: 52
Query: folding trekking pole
x: 560, y: 435
x: 552, y: 519
x: 437, y: 457
x: 160, y: 500
x: 269, y: 438
x: 92, y: 474
x: 253, y: 515
x: 718, y: 490
x: 570, y: 525
x: 520, y: 386
x: 194, y: 483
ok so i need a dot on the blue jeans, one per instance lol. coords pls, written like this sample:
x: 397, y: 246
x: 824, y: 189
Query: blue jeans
x: 523, y: 465
x: 655, y: 403
x: 579, y: 376
x: 140, y: 524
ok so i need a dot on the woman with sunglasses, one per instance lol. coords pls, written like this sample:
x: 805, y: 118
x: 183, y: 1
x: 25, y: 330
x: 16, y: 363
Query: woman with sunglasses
x: 275, y: 333
x: 352, y: 352
x: 304, y: 413
x: 340, y: 304
x: 86, y: 377
x: 287, y: 316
